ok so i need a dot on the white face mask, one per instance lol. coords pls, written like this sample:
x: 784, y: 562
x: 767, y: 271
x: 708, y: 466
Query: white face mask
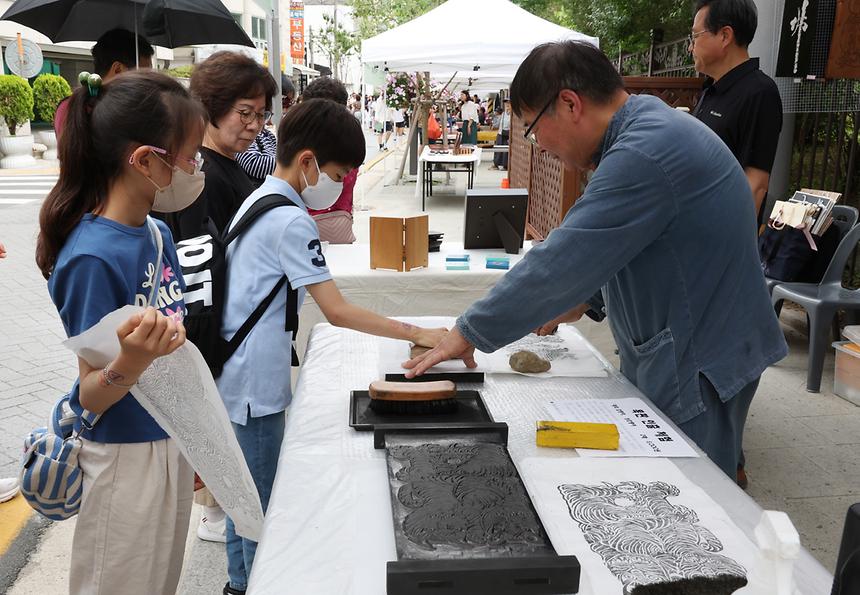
x: 183, y: 190
x: 324, y: 193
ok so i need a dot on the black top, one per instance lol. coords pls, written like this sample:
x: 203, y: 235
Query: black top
x: 745, y: 110
x: 227, y: 187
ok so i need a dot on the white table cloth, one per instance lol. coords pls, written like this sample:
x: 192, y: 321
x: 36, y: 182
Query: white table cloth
x: 329, y: 526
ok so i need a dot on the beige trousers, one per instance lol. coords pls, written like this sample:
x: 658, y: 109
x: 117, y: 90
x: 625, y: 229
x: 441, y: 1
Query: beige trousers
x: 131, y: 529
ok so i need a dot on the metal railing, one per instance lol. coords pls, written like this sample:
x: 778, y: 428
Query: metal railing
x: 671, y: 58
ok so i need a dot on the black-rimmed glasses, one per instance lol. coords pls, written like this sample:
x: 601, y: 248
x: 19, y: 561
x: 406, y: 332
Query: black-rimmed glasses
x: 528, y: 134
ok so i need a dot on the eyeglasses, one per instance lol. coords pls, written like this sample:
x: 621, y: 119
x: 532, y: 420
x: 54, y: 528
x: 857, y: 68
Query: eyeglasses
x: 691, y: 38
x: 248, y: 116
x: 196, y: 163
x: 528, y: 134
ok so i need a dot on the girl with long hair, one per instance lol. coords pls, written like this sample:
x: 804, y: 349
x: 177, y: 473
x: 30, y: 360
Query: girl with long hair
x: 130, y: 147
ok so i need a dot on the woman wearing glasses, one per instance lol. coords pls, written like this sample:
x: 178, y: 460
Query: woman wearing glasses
x: 237, y: 94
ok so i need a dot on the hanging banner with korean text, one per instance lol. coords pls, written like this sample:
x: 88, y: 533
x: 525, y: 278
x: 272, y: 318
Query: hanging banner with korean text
x: 297, y: 31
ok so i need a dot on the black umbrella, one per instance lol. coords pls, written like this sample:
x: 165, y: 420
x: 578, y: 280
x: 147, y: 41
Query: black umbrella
x: 168, y: 23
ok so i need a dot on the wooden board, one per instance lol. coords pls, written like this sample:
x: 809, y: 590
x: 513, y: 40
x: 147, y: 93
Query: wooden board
x: 417, y: 242
x: 386, y: 243
x: 844, y: 58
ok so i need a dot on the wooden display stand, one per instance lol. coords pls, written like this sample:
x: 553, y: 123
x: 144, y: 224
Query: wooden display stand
x: 398, y: 243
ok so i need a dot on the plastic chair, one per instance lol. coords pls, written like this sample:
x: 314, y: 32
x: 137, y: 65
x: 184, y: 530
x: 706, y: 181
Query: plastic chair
x: 822, y: 301
x: 846, y: 579
x: 844, y: 218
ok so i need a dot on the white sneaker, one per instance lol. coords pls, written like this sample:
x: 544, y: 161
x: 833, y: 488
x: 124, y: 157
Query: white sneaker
x: 209, y: 530
x: 8, y: 488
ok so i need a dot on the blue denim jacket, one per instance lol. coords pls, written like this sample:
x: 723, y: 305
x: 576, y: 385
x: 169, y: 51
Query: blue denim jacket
x: 666, y: 232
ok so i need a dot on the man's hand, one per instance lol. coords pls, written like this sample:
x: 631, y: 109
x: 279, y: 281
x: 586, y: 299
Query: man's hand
x: 452, y: 346
x: 550, y: 327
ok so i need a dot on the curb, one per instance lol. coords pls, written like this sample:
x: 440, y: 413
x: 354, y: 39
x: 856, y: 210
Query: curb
x: 17, y: 554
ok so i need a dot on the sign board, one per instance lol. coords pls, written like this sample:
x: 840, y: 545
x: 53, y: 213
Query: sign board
x: 297, y: 31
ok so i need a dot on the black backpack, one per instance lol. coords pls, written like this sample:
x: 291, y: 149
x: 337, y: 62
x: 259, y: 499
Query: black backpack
x: 204, y: 266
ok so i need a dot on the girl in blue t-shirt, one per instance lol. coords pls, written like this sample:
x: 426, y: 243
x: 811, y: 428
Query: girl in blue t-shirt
x: 130, y: 147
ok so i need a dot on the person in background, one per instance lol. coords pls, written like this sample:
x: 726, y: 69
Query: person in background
x: 382, y: 122
x: 113, y: 54
x: 335, y: 222
x: 319, y: 143
x: 259, y: 160
x: 8, y: 485
x: 739, y: 102
x: 399, y: 119
x: 500, y: 160
x: 135, y: 151
x: 434, y: 130
x: 237, y: 94
x: 469, y: 115
x: 354, y: 105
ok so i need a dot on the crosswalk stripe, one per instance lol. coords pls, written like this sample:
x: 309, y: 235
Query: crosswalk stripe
x: 23, y: 191
x: 18, y: 201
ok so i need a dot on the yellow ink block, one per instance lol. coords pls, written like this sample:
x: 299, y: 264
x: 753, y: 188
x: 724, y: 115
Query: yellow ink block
x: 574, y: 434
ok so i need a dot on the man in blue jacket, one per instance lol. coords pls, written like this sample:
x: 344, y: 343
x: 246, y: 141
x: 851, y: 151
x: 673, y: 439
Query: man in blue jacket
x: 662, y: 242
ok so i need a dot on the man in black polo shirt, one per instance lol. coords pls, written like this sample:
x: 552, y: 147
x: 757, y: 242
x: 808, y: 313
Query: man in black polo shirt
x: 740, y: 102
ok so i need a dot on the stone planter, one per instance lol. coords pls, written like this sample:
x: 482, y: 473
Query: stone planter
x: 22, y: 129
x: 17, y: 151
x: 49, y: 139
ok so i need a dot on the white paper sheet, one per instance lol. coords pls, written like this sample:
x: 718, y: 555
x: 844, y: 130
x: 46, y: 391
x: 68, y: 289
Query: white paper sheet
x: 642, y: 518
x: 178, y: 391
x: 566, y: 350
x: 642, y: 431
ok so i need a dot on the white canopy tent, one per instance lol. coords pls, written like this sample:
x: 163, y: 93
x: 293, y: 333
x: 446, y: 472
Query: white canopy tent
x: 482, y: 40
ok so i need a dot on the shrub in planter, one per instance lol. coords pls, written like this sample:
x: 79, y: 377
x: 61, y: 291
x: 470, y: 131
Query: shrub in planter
x: 16, y: 101
x: 48, y: 91
x: 182, y: 72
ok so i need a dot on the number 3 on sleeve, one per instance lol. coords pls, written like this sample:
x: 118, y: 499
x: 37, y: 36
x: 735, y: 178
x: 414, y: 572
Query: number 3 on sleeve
x: 319, y: 259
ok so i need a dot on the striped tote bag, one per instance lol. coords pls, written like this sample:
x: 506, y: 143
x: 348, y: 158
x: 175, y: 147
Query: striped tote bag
x: 51, y: 481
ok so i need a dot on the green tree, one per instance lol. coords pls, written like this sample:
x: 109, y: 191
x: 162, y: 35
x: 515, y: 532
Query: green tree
x: 337, y: 44
x: 624, y: 24
x: 373, y: 17
x: 16, y: 101
x: 48, y: 91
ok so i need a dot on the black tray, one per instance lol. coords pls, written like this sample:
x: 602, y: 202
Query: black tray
x: 455, y: 377
x: 470, y: 409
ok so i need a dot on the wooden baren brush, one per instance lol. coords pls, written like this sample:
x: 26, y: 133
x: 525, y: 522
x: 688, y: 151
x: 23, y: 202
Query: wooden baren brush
x: 413, y: 397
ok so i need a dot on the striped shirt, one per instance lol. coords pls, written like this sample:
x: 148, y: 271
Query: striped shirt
x: 259, y: 160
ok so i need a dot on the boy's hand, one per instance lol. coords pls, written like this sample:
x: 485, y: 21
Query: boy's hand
x: 429, y: 337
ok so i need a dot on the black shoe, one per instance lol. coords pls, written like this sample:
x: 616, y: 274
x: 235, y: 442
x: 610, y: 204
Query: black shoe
x: 228, y: 590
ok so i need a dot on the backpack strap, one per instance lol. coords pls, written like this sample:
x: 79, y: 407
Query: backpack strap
x: 261, y: 206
